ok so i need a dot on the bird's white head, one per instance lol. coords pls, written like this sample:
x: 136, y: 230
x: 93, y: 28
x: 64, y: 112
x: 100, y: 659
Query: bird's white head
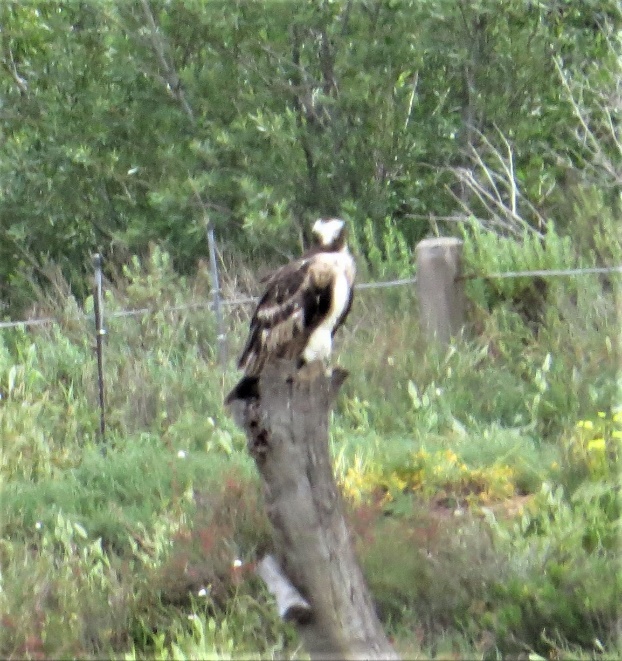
x: 330, y: 233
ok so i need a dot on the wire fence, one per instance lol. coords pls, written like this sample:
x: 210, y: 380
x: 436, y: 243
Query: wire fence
x: 438, y: 273
x: 248, y: 300
x: 544, y: 273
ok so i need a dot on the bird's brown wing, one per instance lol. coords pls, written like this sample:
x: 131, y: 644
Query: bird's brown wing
x: 296, y: 296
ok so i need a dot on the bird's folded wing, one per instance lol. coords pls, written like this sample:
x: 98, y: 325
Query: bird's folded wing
x: 291, y: 307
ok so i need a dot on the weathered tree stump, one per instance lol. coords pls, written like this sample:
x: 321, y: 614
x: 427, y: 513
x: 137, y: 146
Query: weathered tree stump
x: 287, y: 431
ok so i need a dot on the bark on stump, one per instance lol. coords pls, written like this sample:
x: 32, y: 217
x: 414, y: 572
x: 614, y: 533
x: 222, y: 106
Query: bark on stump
x: 287, y: 432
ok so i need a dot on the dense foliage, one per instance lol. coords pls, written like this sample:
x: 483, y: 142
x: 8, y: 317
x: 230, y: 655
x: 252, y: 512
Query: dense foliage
x: 126, y: 123
x: 482, y: 482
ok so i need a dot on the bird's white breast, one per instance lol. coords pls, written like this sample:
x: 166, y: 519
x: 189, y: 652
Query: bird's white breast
x: 341, y: 294
x: 319, y: 346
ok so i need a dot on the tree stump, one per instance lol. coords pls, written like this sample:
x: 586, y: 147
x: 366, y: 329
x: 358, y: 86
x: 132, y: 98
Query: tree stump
x: 287, y: 432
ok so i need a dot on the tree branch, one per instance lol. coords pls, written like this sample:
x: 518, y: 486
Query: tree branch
x: 170, y: 74
x: 21, y: 83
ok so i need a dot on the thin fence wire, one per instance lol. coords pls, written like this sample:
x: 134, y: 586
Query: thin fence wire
x: 388, y: 283
x: 545, y: 273
x: 206, y: 305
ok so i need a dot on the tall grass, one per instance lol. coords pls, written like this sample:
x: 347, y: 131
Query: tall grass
x: 481, y: 480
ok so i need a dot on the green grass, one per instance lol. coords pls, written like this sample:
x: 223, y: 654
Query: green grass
x: 486, y: 520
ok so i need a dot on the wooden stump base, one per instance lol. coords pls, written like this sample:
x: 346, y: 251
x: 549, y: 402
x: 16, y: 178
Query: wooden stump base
x: 287, y: 431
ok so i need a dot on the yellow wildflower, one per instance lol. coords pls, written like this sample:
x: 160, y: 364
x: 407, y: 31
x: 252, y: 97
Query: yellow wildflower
x: 451, y: 456
x: 398, y: 482
x: 596, y: 445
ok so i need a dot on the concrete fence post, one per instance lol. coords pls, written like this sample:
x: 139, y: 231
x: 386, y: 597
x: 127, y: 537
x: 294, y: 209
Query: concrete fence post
x: 441, y: 294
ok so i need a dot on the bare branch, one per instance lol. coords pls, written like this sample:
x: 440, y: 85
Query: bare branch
x: 492, y: 182
x: 411, y: 99
x: 21, y: 83
x: 173, y: 81
x: 486, y: 172
x: 586, y: 134
x: 290, y: 603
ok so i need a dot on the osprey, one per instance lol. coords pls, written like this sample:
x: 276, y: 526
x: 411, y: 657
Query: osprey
x: 302, y: 307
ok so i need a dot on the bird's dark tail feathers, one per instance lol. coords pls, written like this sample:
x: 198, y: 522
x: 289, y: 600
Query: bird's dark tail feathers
x: 247, y: 388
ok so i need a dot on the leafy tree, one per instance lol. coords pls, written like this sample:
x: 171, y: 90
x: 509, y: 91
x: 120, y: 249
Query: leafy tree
x: 138, y: 122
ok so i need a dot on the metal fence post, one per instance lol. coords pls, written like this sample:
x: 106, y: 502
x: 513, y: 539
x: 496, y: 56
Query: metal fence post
x: 440, y: 292
x: 220, y: 324
x: 98, y: 306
